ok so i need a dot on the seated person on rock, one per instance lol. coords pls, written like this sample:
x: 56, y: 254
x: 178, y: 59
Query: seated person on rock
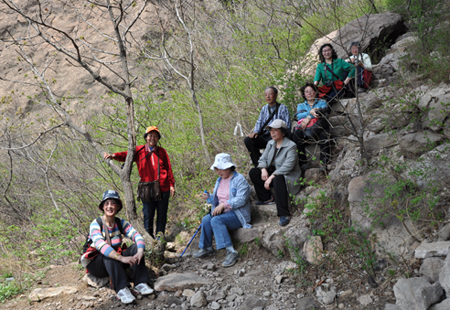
x: 312, y: 125
x: 230, y: 210
x: 362, y: 63
x: 259, y: 137
x: 106, y: 257
x: 278, y: 168
x: 335, y: 73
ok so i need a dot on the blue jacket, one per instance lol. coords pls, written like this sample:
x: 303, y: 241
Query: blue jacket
x: 239, y: 198
x: 304, y: 109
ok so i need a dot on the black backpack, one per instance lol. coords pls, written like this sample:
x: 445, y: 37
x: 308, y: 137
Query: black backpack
x: 88, y: 241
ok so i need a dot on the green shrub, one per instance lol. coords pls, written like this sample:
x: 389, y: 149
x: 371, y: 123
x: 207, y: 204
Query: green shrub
x: 8, y: 289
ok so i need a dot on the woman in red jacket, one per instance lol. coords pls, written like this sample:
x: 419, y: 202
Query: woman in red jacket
x: 147, y: 157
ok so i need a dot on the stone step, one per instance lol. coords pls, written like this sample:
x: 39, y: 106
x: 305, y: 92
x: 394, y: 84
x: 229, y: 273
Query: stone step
x: 244, y: 235
x: 261, y: 213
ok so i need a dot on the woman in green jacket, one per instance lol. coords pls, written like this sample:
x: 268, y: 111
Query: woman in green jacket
x: 343, y: 71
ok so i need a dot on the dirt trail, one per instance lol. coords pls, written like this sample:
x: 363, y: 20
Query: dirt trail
x: 257, y: 280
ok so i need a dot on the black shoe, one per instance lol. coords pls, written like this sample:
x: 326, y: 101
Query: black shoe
x: 271, y: 201
x: 284, y: 220
x: 305, y: 167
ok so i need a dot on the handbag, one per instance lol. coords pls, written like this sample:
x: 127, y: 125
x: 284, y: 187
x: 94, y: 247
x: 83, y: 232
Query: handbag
x: 149, y: 191
x: 310, y: 124
x: 367, y: 78
x: 312, y: 132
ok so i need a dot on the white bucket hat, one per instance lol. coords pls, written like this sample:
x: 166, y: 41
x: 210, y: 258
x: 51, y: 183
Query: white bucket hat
x: 278, y: 123
x: 223, y: 161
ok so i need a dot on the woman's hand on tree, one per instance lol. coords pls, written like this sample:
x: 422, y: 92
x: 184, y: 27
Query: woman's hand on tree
x: 107, y: 156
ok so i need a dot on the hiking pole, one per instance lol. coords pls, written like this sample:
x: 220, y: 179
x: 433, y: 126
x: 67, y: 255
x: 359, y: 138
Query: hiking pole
x: 191, y: 239
x: 206, y: 192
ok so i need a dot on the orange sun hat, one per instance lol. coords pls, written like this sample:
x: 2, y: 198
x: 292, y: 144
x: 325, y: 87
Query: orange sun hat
x: 152, y: 128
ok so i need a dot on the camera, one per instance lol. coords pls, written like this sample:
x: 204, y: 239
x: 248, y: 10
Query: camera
x: 322, y: 112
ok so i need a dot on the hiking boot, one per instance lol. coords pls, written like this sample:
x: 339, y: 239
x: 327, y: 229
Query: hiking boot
x: 203, y: 253
x: 125, y: 296
x: 284, y: 220
x: 230, y: 259
x: 361, y: 90
x: 143, y: 289
x: 271, y: 201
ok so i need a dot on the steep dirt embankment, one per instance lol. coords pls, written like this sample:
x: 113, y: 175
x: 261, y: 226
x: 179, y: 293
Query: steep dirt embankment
x: 86, y: 33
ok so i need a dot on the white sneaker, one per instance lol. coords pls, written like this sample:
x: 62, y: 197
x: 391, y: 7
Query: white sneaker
x: 143, y: 289
x: 125, y: 296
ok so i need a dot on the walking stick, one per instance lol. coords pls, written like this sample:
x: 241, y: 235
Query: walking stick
x: 191, y: 239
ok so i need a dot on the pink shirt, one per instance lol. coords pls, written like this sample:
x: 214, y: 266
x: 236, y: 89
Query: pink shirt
x: 223, y: 193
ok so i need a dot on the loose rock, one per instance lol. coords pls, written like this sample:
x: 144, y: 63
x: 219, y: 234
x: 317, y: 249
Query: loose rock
x: 198, y: 300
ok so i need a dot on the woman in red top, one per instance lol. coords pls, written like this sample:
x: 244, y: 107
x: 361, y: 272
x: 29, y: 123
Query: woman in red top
x: 147, y: 157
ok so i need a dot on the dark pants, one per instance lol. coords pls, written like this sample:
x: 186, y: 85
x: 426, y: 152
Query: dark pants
x: 359, y: 76
x: 102, y: 266
x: 160, y: 207
x: 334, y: 94
x: 318, y: 132
x: 253, y: 146
x: 280, y: 190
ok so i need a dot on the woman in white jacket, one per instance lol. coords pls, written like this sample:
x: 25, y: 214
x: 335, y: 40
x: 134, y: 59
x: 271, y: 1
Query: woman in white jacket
x: 362, y: 63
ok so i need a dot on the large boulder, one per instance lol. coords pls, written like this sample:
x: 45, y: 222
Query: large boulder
x: 417, y: 143
x: 431, y: 268
x: 426, y: 249
x: 435, y: 107
x: 373, y: 31
x: 42, y: 293
x: 416, y: 293
x: 391, y: 62
x: 180, y: 281
x: 423, y: 171
x: 444, y: 276
x: 445, y: 305
x: 286, y: 240
x: 365, y: 195
x: 377, y: 143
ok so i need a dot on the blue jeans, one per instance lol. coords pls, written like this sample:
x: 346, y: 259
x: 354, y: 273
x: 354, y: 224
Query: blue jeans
x: 218, y: 225
x: 161, y: 214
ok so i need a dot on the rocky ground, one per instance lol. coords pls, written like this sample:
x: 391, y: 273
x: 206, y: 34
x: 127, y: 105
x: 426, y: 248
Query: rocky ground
x: 257, y: 281
x: 260, y: 279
